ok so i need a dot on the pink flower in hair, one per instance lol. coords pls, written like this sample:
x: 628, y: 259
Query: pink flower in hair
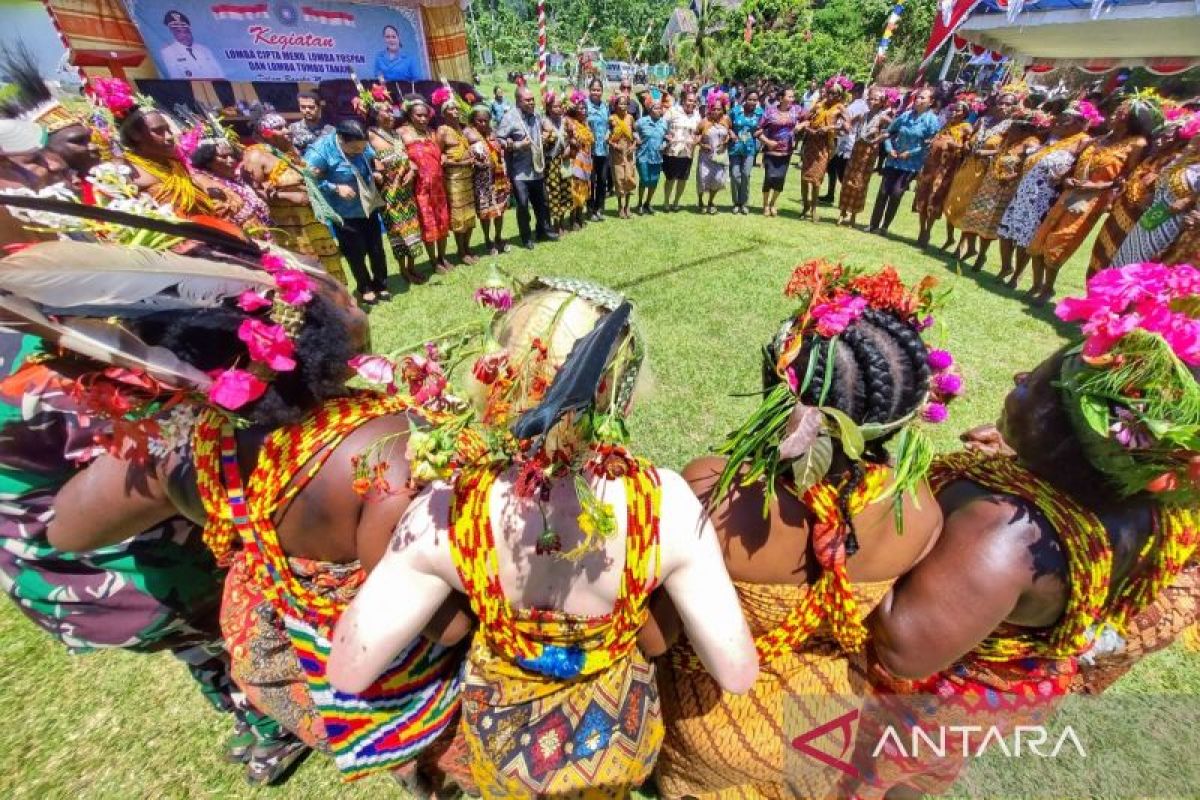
x: 113, y: 93
x: 1089, y: 112
x: 380, y: 94
x: 935, y: 413
x: 939, y: 360
x: 268, y: 344
x: 375, y: 370
x: 234, y: 388
x: 295, y: 288
x: 1191, y: 128
x: 187, y: 143
x: 272, y: 262
x: 440, y: 96
x: 948, y: 384
x: 577, y: 97
x: 251, y: 301
x: 838, y: 313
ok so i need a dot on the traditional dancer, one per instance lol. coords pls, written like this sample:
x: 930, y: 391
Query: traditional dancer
x: 1086, y: 192
x: 870, y: 130
x: 558, y: 163
x: 825, y: 121
x: 946, y: 153
x: 580, y: 138
x: 558, y: 698
x: 397, y: 174
x: 985, y: 143
x: 1040, y: 185
x: 299, y: 212
x: 458, y: 169
x: 433, y: 210
x: 1078, y: 532
x: 284, y: 503
x: 1000, y: 181
x: 622, y: 146
x: 217, y: 168
x: 815, y: 525
x: 492, y: 186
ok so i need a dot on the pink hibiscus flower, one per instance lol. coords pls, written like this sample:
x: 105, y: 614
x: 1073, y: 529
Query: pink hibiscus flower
x: 268, y: 344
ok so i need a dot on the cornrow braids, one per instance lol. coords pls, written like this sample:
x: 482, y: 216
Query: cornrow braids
x: 845, y: 492
x: 915, y: 353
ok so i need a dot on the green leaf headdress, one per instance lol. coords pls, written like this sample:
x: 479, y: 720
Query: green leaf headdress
x: 1130, y: 386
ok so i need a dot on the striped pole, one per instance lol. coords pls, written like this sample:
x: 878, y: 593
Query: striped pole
x: 541, y: 12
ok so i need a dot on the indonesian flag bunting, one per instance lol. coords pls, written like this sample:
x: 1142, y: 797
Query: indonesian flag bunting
x: 230, y: 11
x: 944, y: 25
x: 1098, y: 8
x: 323, y: 17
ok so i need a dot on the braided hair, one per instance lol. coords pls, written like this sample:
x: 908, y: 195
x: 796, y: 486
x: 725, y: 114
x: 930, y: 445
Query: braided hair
x: 879, y: 374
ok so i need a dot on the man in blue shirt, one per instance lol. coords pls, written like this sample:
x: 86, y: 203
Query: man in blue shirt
x: 597, y: 120
x: 906, y: 146
x: 498, y: 107
x: 342, y: 163
x: 745, y: 119
x: 651, y: 134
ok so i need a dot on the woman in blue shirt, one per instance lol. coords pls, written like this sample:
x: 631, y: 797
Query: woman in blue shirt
x: 392, y: 63
x: 597, y: 120
x: 906, y: 145
x: 651, y: 134
x: 744, y: 119
x: 343, y: 163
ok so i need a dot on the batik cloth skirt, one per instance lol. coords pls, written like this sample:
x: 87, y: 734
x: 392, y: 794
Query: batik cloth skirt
x: 1067, y: 225
x: 535, y: 736
x: 624, y: 171
x: 400, y: 216
x: 712, y: 172
x: 814, y: 157
x: 558, y: 188
x: 460, y: 193
x: 966, y: 183
x: 1036, y: 193
x: 857, y: 177
x: 987, y: 207
x: 720, y: 745
x: 492, y: 190
x: 934, y: 180
x: 300, y: 230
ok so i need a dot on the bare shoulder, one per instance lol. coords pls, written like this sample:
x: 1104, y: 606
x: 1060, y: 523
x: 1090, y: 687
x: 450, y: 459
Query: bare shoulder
x: 703, y: 474
x: 422, y: 535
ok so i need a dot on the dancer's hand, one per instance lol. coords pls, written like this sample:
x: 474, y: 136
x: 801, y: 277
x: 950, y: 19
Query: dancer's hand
x: 985, y: 439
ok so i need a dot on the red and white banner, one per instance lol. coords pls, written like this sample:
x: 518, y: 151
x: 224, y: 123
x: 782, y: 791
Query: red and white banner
x: 952, y: 13
x: 325, y: 17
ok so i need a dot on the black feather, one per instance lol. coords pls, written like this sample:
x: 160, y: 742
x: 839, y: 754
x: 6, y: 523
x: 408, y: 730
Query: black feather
x: 574, y: 387
x: 195, y: 231
x: 18, y: 68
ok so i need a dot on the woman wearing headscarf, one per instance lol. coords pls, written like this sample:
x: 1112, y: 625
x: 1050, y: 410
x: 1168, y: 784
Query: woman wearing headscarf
x: 556, y: 534
x: 1040, y: 185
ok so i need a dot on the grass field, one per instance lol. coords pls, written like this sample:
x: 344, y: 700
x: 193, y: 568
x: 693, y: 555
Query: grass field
x: 708, y: 294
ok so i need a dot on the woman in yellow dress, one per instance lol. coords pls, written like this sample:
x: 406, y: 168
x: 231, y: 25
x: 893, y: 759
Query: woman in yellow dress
x: 810, y: 527
x: 821, y: 129
x: 946, y: 153
x: 458, y: 170
x: 621, y: 147
x: 581, y: 141
x: 985, y: 142
x: 557, y: 539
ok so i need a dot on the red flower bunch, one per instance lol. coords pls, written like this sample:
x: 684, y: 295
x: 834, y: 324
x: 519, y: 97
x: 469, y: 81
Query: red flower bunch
x: 886, y: 291
x: 810, y: 279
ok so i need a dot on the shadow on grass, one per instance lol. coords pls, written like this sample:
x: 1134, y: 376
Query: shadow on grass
x: 698, y: 262
x: 989, y: 282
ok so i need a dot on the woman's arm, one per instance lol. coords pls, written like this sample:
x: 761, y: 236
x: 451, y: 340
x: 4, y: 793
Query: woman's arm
x: 400, y: 597
x: 699, y: 587
x: 109, y: 501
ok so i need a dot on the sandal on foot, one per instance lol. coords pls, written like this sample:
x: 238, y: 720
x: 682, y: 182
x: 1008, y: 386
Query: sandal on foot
x: 271, y: 759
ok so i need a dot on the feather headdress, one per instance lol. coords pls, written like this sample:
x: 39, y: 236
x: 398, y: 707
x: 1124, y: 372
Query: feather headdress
x: 32, y: 100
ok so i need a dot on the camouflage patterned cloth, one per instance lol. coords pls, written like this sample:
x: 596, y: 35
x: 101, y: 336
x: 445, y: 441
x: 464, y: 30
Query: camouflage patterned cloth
x: 159, y: 591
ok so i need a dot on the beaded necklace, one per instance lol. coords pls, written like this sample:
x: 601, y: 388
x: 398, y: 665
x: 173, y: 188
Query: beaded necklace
x: 1089, y: 557
x: 175, y: 185
x: 289, y: 458
x: 473, y: 549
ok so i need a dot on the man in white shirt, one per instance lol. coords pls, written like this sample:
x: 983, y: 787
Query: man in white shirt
x: 183, y: 58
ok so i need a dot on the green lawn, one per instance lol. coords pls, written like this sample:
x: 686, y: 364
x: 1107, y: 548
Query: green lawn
x: 708, y: 294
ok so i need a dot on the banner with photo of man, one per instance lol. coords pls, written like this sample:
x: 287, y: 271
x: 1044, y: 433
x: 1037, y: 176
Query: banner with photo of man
x: 282, y: 40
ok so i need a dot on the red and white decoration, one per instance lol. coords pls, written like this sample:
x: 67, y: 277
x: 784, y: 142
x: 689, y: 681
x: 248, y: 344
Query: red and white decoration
x: 541, y: 34
x: 231, y: 11
x: 310, y: 14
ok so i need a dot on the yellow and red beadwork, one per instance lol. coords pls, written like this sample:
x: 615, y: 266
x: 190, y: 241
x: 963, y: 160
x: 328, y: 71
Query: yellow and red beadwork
x: 1089, y: 557
x: 473, y: 549
x: 240, y: 515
